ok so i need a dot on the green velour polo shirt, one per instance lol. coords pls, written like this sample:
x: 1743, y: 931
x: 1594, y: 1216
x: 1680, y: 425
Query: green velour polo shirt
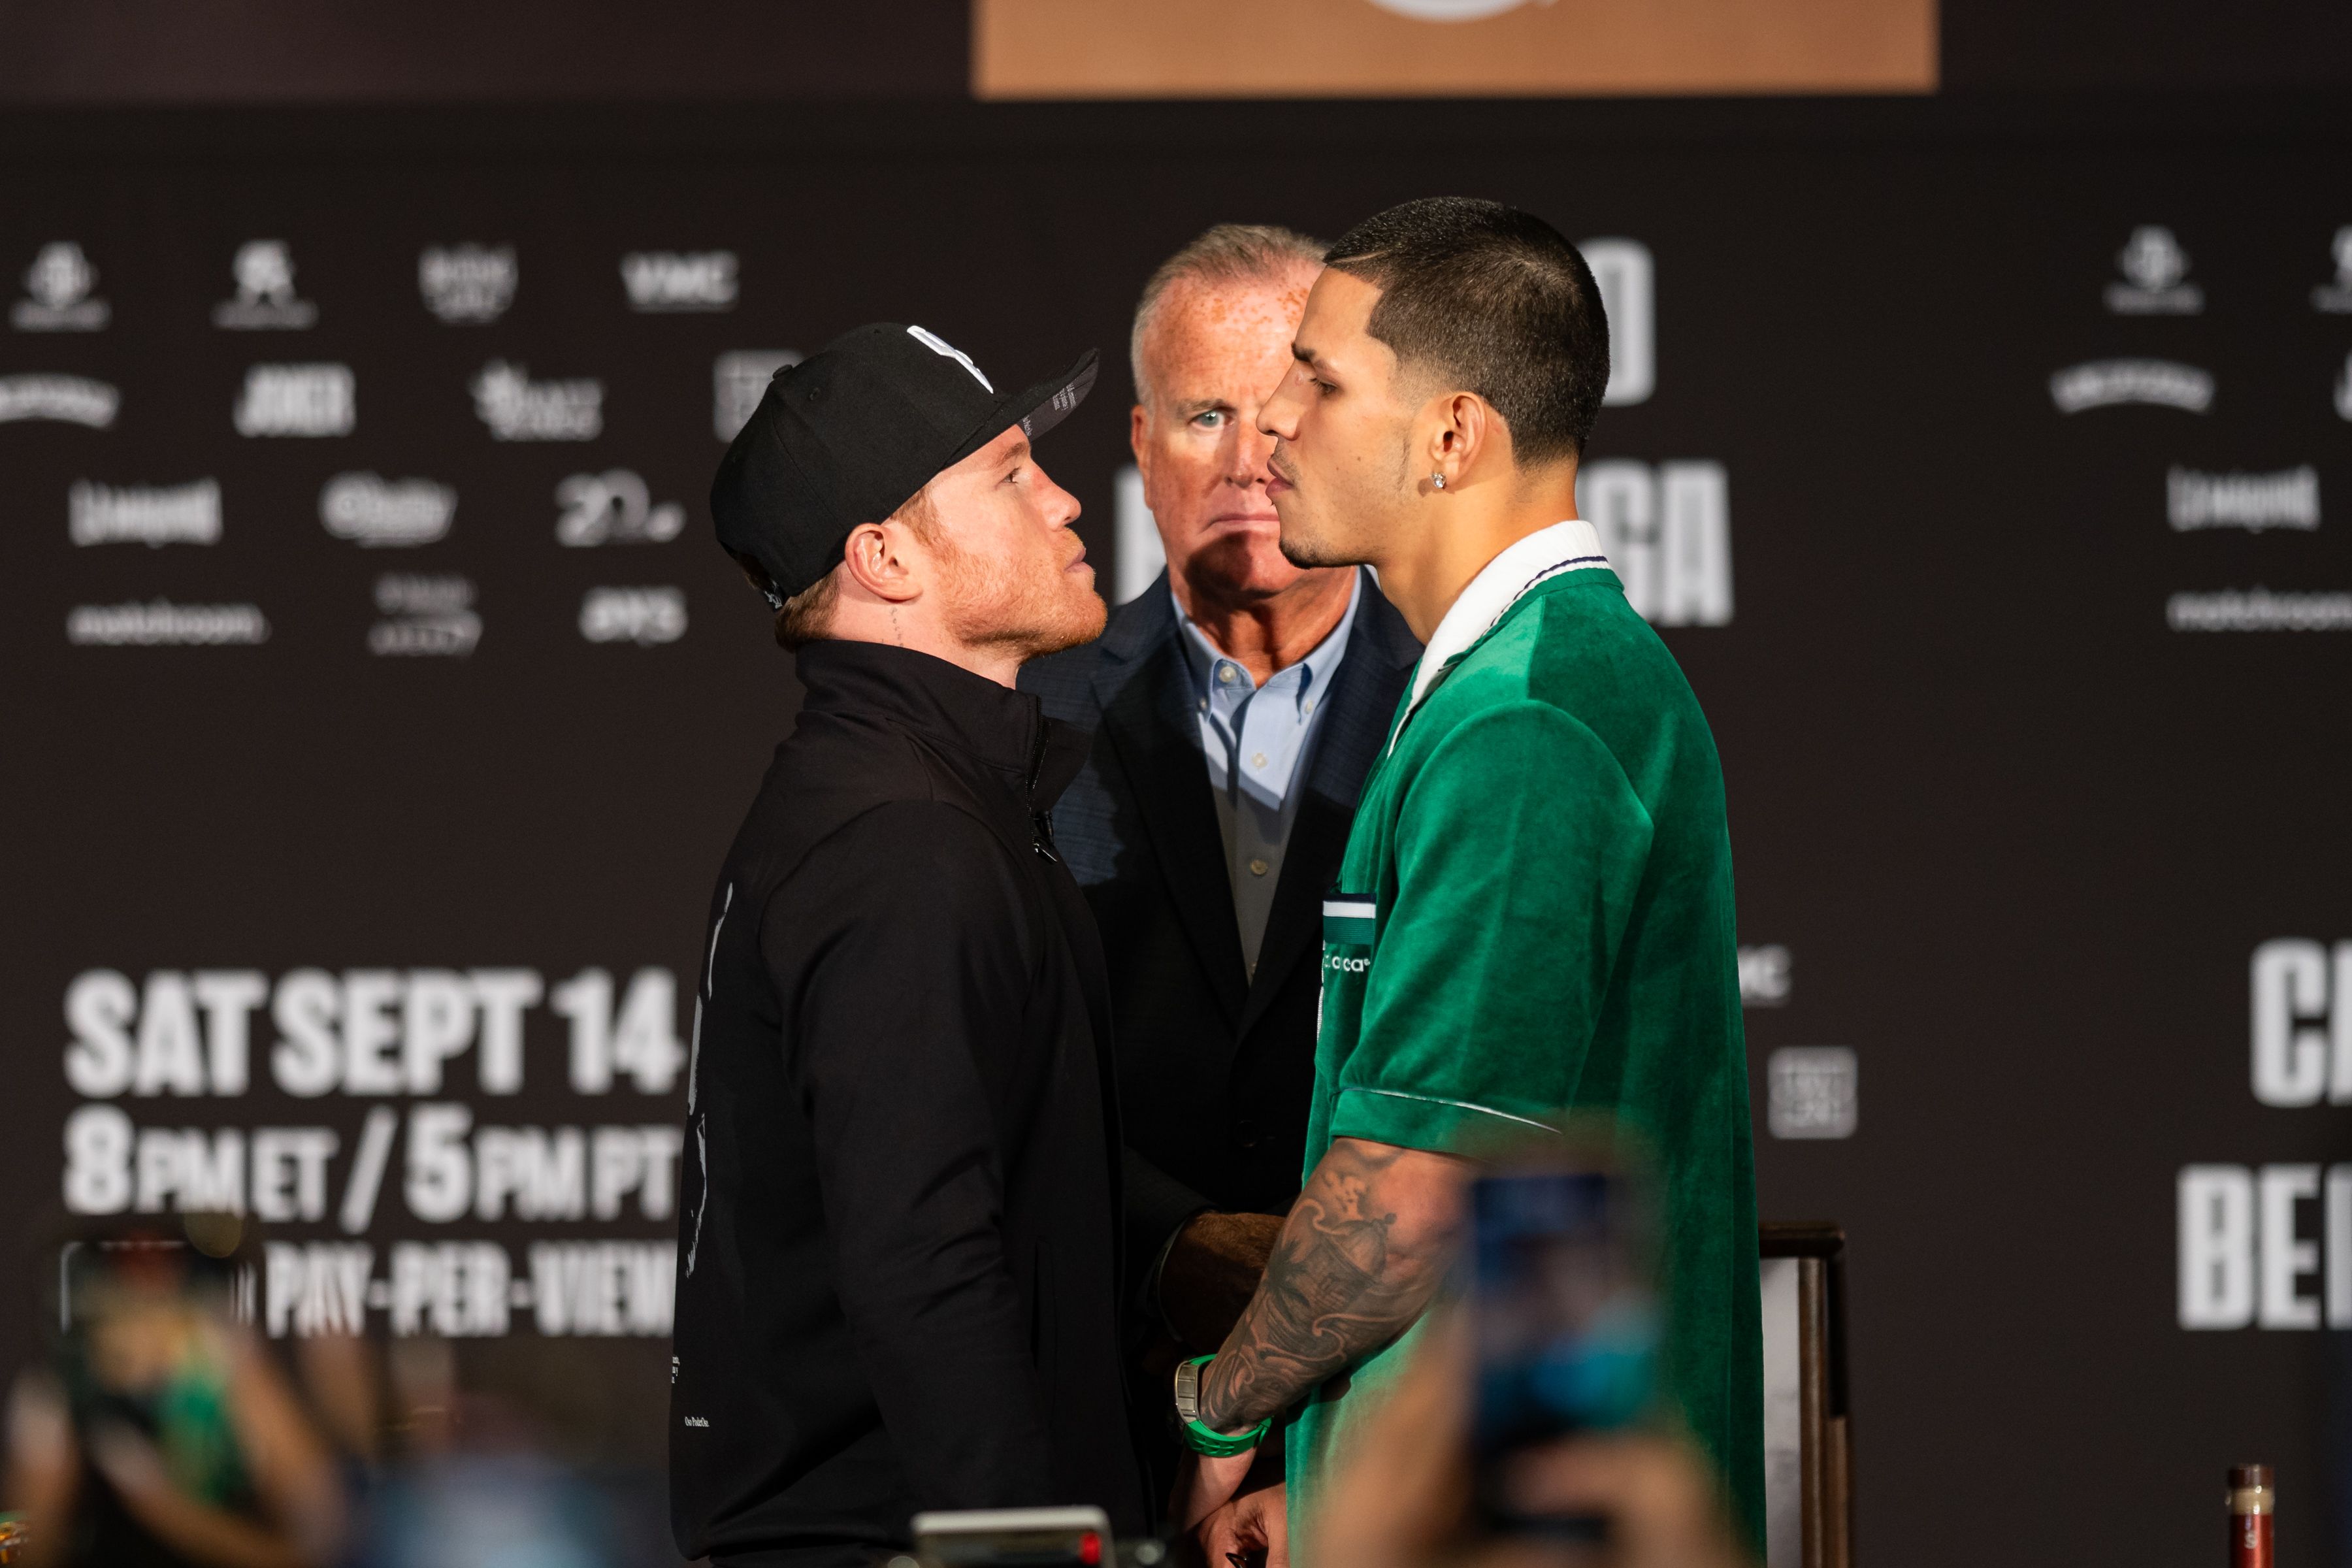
x: 1533, y: 920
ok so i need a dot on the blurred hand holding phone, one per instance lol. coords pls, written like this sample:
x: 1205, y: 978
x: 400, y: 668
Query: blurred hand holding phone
x: 1564, y: 1316
x: 1529, y: 1429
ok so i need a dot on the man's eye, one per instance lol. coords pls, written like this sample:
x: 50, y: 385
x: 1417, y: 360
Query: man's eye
x: 1208, y: 419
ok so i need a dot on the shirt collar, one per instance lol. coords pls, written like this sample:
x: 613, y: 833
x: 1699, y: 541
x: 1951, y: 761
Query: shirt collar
x: 1200, y: 655
x: 1571, y: 546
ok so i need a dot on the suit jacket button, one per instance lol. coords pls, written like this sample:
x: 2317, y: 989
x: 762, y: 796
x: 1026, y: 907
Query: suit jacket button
x: 1245, y: 1134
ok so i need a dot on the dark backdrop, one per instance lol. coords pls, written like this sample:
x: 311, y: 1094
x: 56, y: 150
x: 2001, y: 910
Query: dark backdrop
x: 2018, y: 837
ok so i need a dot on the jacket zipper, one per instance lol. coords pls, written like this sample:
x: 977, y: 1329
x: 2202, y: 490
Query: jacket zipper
x: 1040, y: 825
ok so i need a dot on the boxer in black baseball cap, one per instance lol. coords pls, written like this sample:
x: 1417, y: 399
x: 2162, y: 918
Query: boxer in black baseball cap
x: 898, y: 1263
x: 831, y: 494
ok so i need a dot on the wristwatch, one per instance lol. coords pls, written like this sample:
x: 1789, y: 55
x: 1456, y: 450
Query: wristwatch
x: 1190, y: 1429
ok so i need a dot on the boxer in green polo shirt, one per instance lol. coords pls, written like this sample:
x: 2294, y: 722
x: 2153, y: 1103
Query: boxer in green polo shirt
x: 1534, y: 918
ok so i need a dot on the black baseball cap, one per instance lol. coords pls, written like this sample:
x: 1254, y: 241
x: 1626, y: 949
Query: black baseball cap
x: 851, y: 433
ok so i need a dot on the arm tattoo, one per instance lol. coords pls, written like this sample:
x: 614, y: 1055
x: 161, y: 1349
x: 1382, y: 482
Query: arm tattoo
x: 1345, y: 1277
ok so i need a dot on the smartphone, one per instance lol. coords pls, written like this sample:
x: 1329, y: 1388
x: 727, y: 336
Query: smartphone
x: 1565, y: 1317
x: 1015, y: 1538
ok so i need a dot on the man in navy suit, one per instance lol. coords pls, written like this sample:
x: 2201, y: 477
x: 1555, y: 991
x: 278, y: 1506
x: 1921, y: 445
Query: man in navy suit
x: 1237, y: 705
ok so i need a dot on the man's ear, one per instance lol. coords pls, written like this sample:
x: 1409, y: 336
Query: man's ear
x: 1461, y: 432
x: 876, y: 556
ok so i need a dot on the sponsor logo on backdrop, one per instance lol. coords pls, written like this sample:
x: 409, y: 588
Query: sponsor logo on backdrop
x: 1766, y: 976
x: 144, y: 514
x: 58, y: 297
x: 737, y: 380
x: 297, y: 400
x: 424, y: 615
x: 2258, y: 610
x: 70, y: 399
x: 642, y: 615
x: 2106, y: 383
x: 467, y: 284
x: 1812, y: 1091
x: 2249, y: 1253
x: 265, y: 302
x: 2288, y: 499
x: 517, y: 408
x: 372, y: 512
x: 1666, y: 529
x: 160, y: 622
x: 2154, y: 267
x: 2343, y: 390
x: 613, y: 507
x: 659, y: 280
x: 2335, y: 297
x: 1627, y: 278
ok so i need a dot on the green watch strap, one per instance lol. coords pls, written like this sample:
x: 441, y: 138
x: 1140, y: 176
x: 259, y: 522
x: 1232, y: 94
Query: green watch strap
x: 1212, y: 1444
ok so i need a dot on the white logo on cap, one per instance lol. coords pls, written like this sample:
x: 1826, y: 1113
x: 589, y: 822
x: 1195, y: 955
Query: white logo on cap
x: 940, y: 345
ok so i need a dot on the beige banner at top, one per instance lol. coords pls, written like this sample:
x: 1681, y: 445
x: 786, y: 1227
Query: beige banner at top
x: 1322, y: 49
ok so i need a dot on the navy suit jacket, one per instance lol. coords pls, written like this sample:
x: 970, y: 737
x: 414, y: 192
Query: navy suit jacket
x: 1215, y: 1068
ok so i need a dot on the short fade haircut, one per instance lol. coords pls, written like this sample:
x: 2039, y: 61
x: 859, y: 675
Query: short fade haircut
x: 1229, y: 253
x: 1496, y: 300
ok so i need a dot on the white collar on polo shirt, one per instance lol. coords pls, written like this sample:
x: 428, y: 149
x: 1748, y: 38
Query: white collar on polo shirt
x: 1571, y: 546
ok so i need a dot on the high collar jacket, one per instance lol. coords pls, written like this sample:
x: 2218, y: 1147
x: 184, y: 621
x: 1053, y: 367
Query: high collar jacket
x: 897, y: 1267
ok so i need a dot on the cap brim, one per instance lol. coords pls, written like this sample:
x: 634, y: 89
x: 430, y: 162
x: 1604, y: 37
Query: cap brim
x: 1036, y: 409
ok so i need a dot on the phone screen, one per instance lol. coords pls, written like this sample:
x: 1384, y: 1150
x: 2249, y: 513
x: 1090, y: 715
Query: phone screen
x: 1564, y: 1311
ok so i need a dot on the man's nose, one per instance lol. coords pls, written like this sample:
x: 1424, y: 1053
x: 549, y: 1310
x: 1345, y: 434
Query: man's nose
x: 1060, y: 507
x: 1245, y: 463
x: 1277, y: 416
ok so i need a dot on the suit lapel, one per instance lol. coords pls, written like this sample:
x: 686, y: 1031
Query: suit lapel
x: 1146, y: 714
x: 1363, y: 701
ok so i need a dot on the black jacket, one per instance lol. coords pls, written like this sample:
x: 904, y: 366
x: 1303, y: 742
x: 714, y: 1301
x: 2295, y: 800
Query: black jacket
x: 1215, y: 1068
x: 897, y: 1269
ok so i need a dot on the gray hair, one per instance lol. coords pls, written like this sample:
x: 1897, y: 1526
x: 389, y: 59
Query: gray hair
x: 1229, y: 253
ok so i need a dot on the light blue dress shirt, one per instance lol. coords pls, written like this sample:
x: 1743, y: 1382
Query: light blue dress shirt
x: 1256, y: 740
